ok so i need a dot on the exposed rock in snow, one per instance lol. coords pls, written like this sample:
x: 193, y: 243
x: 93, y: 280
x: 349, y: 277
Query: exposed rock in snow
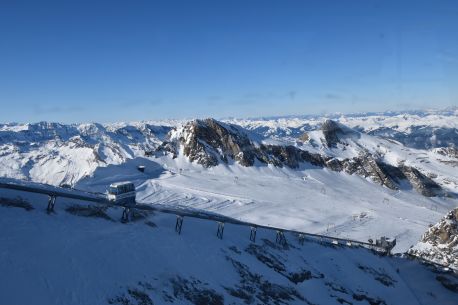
x: 366, y: 166
x: 333, y: 132
x: 448, y: 151
x: 440, y: 242
x: 423, y: 184
x: 304, y: 137
x: 209, y: 141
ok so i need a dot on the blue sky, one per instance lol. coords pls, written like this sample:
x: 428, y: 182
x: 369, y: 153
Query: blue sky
x: 78, y: 61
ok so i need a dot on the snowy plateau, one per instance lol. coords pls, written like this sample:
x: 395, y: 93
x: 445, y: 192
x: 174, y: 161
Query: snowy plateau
x: 355, y: 176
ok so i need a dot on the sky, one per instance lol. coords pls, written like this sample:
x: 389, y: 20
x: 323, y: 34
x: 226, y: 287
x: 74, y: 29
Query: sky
x: 107, y: 61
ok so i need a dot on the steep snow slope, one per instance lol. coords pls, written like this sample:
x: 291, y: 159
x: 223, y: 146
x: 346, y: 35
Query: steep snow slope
x: 66, y: 258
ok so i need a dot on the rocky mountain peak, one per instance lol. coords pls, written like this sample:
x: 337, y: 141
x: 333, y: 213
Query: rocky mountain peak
x: 209, y: 141
x: 333, y: 132
x: 440, y: 242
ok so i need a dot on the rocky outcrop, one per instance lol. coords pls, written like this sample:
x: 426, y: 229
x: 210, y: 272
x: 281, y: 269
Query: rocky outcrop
x: 304, y: 137
x: 423, y: 184
x: 440, y: 242
x: 366, y: 166
x: 420, y: 182
x: 334, y: 132
x: 209, y: 142
x: 331, y: 130
x: 451, y: 152
x: 289, y: 156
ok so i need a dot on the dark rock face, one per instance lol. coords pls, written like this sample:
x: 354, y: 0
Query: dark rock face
x: 451, y: 152
x: 420, y: 182
x: 166, y: 147
x: 209, y: 142
x: 366, y: 166
x: 280, y: 155
x: 395, y: 173
x: 334, y: 133
x: 331, y: 130
x: 423, y: 184
x: 334, y: 164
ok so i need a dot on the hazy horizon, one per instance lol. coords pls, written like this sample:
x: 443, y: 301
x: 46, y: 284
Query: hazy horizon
x: 266, y: 117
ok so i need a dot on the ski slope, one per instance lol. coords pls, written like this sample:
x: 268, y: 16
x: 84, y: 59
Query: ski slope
x: 311, y: 199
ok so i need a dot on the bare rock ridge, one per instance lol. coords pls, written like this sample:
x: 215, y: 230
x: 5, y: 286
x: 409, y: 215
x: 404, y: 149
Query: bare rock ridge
x: 440, y: 242
x: 333, y: 132
x: 209, y: 142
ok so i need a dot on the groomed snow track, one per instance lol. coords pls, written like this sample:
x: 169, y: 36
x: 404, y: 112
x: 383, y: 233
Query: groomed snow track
x: 181, y: 212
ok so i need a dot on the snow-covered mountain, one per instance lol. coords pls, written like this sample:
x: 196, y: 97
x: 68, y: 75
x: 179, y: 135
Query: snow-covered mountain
x: 417, y: 129
x: 84, y: 255
x: 63, y: 154
x: 334, y: 147
x: 338, y: 175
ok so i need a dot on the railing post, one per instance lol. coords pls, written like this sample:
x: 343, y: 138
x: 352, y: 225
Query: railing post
x: 220, y: 231
x: 301, y: 239
x: 253, y: 234
x: 280, y: 238
x: 179, y: 224
x: 125, y: 214
x: 51, y: 203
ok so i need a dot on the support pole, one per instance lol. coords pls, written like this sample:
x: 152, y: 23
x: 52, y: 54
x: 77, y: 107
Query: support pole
x: 125, y: 214
x: 179, y: 224
x: 253, y: 234
x: 301, y: 239
x: 280, y: 238
x: 220, y: 231
x: 51, y: 203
